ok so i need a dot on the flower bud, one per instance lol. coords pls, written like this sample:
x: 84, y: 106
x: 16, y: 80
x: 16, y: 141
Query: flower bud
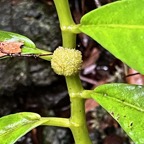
x: 66, y: 61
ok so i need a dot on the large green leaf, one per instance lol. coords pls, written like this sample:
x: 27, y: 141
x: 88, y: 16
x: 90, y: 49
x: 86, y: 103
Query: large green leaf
x: 126, y: 104
x: 119, y: 27
x: 14, y: 126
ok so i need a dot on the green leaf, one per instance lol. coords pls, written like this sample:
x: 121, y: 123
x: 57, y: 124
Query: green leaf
x: 14, y: 126
x: 36, y: 52
x: 14, y: 37
x: 27, y: 47
x: 126, y: 104
x: 29, y: 50
x: 119, y: 27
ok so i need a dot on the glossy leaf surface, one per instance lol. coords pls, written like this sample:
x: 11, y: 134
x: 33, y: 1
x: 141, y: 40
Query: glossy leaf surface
x: 14, y: 126
x: 13, y: 44
x: 119, y: 27
x: 14, y: 37
x: 29, y: 50
x: 126, y: 104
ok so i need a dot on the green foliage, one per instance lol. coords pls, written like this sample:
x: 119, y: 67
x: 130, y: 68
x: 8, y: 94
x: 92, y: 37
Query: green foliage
x: 28, y: 47
x: 36, y: 51
x: 14, y: 126
x: 126, y: 104
x: 13, y: 37
x: 119, y: 27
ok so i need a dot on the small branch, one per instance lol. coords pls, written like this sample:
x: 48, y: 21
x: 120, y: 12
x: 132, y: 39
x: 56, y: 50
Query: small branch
x: 86, y: 94
x: 98, y: 4
x: 60, y: 122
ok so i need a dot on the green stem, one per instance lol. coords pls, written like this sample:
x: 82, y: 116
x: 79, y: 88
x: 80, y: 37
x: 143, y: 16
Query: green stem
x: 66, y: 23
x: 86, y: 94
x: 77, y: 120
x: 64, y: 14
x: 61, y: 122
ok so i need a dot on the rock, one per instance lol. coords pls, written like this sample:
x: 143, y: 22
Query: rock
x: 39, y: 22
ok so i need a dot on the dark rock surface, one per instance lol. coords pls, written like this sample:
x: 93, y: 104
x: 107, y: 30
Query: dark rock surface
x: 39, y: 22
x: 33, y: 19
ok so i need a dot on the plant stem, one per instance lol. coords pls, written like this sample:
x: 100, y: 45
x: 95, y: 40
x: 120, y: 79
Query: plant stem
x: 86, y: 94
x: 61, y: 122
x: 66, y: 23
x: 77, y: 120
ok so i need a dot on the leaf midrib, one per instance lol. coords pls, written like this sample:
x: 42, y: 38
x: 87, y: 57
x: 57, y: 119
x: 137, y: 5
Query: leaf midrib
x: 6, y: 131
x: 124, y: 102
x: 115, y: 26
